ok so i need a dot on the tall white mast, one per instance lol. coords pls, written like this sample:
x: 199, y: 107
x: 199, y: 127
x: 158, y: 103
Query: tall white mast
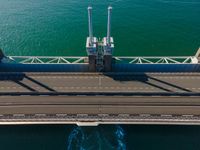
x: 109, y: 25
x: 90, y: 24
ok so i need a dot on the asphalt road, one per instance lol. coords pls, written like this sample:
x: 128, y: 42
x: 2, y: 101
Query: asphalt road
x: 99, y: 105
x: 44, y: 82
x: 29, y: 104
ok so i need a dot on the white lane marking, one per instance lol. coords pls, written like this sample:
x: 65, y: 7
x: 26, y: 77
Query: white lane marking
x: 163, y: 115
x: 82, y: 115
x: 187, y: 115
x: 123, y: 115
x: 61, y: 115
x: 87, y: 87
x: 40, y: 115
x: 145, y: 115
x: 18, y: 115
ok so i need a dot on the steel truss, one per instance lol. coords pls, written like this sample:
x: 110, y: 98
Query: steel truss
x: 157, y: 60
x: 48, y: 59
x: 84, y: 59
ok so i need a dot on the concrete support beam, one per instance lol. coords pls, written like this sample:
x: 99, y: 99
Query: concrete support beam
x: 92, y: 63
x: 107, y: 63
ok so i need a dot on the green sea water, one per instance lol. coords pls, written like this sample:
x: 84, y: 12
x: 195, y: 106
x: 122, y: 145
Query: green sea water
x: 139, y: 27
x: 59, y: 27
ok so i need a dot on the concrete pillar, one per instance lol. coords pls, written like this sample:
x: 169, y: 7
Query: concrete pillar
x: 107, y: 63
x: 92, y: 63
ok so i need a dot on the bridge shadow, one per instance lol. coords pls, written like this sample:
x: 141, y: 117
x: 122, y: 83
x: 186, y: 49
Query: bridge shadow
x: 40, y: 84
x: 146, y: 79
x: 12, y: 76
x: 18, y: 79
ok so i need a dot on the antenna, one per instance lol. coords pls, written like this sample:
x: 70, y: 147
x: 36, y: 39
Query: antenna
x: 109, y: 25
x: 90, y: 24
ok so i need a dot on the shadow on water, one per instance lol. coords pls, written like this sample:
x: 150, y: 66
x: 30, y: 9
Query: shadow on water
x: 146, y: 79
x: 97, y: 138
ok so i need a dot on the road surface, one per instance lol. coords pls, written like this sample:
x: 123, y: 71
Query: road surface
x: 28, y: 98
x: 49, y: 82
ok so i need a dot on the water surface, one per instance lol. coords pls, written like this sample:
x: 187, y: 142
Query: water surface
x: 49, y: 27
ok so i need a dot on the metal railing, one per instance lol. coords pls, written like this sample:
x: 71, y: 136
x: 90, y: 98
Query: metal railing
x: 157, y: 60
x: 48, y: 59
x: 120, y: 59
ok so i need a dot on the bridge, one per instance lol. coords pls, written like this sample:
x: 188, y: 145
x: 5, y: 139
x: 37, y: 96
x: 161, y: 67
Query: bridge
x: 99, y: 88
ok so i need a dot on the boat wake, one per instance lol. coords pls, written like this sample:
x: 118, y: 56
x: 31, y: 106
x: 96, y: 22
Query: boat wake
x: 120, y: 138
x: 87, y: 138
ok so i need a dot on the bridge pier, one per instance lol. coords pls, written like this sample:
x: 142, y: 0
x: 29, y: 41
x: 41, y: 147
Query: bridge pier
x: 107, y: 63
x: 92, y: 63
x: 100, y: 52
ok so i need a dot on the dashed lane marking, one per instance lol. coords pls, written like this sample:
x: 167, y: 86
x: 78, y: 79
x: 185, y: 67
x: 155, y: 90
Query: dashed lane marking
x: 61, y: 115
x: 126, y: 76
x: 18, y: 115
x: 163, y: 115
x: 187, y: 115
x: 84, y: 87
x: 40, y: 115
x: 99, y: 87
x: 145, y: 115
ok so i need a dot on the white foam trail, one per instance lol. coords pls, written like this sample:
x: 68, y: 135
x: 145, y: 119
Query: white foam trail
x: 76, y: 136
x: 77, y: 139
x: 102, y: 141
x: 120, y: 138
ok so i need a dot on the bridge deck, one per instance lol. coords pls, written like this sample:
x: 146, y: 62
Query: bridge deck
x: 152, y: 98
x: 48, y: 82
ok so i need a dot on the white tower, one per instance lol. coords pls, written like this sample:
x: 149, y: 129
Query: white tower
x: 108, y: 42
x: 91, y: 43
x: 108, y: 45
